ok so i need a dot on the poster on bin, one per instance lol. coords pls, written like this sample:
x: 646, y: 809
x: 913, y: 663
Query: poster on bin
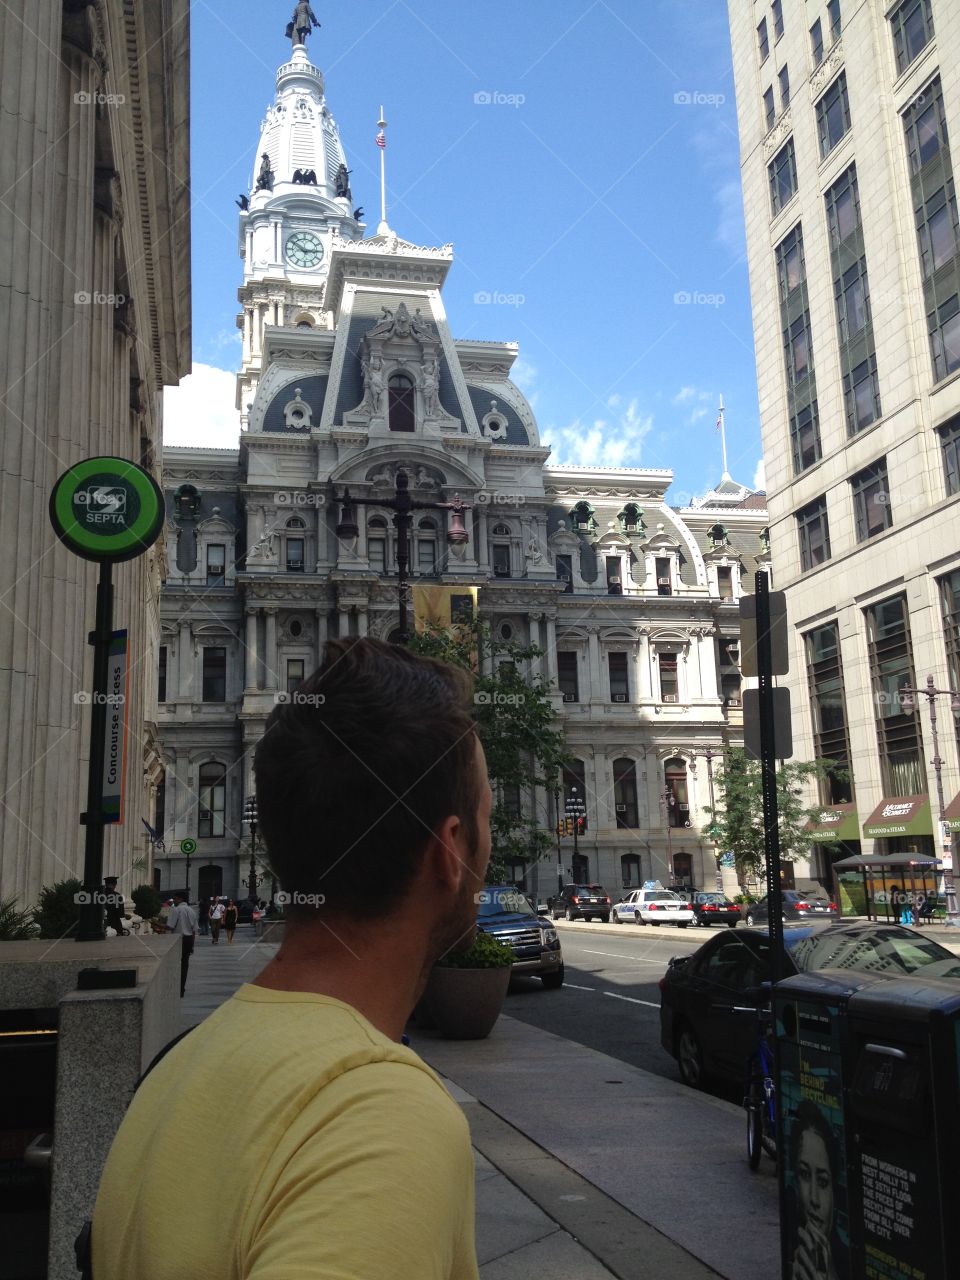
x: 815, y: 1223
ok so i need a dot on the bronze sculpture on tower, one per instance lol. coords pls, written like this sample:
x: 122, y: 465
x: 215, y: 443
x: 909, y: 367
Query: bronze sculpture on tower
x: 301, y: 24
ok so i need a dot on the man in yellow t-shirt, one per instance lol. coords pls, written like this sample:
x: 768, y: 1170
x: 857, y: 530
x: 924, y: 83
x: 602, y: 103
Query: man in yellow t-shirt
x: 292, y: 1136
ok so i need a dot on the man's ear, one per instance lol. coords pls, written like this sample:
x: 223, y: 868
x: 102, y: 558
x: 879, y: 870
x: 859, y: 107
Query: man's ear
x: 445, y: 860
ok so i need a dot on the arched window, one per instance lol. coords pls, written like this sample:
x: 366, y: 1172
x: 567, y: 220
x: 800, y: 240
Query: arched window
x: 631, y: 518
x: 213, y: 800
x: 625, y: 793
x: 377, y: 544
x: 630, y: 871
x: 403, y: 412
x: 501, y: 551
x: 675, y: 780
x: 427, y: 547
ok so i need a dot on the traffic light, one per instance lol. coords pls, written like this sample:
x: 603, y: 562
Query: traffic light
x: 569, y: 825
x: 581, y: 826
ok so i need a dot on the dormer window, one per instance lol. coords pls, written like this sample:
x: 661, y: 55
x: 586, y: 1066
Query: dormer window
x: 403, y: 411
x: 187, y: 502
x: 216, y: 564
x: 614, y: 576
x: 582, y: 518
x: 718, y: 536
x: 631, y: 518
x: 664, y: 576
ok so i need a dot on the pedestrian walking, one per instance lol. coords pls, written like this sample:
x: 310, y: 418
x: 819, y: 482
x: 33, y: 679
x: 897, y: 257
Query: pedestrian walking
x: 203, y: 916
x: 216, y: 920
x: 361, y: 1163
x: 183, y: 920
x: 230, y: 919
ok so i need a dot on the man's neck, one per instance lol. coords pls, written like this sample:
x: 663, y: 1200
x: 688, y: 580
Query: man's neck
x: 381, y: 977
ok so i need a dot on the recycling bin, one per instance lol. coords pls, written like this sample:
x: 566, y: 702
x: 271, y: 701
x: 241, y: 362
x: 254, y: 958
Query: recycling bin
x: 812, y: 1031
x: 902, y: 1042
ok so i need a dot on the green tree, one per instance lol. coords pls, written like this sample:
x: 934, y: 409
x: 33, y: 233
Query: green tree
x: 737, y: 819
x: 58, y: 913
x: 146, y: 901
x: 517, y: 728
x: 15, y: 925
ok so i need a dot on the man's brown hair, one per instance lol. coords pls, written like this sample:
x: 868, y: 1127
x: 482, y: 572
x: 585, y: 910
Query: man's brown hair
x: 358, y: 768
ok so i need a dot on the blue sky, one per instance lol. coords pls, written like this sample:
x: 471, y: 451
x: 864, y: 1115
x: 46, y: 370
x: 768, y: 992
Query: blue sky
x: 596, y: 191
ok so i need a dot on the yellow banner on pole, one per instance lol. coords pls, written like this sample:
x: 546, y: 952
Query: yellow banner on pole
x: 443, y: 606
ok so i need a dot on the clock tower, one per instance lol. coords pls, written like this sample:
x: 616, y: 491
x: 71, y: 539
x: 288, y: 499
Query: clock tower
x: 300, y: 199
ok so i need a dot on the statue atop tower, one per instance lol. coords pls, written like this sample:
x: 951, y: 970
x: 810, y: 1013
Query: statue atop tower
x: 301, y: 24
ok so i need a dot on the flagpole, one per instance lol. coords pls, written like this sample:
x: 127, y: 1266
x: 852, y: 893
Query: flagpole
x: 723, y: 437
x: 383, y: 228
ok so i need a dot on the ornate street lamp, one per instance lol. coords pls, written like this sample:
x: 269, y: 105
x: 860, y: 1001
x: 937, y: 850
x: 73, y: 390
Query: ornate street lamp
x: 402, y: 505
x: 250, y: 817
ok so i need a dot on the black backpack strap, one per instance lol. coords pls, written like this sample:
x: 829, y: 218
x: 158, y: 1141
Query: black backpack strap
x: 83, y: 1245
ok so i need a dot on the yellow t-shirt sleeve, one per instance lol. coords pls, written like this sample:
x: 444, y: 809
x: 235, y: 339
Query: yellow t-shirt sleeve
x: 374, y: 1180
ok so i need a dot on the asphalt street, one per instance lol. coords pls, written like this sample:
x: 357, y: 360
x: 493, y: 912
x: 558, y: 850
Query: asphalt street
x: 610, y: 1000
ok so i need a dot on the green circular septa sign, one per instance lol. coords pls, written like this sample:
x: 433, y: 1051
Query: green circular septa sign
x: 107, y: 509
x: 188, y: 846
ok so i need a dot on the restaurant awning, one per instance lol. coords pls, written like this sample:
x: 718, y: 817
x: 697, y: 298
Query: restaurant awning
x: 951, y: 814
x: 900, y: 816
x: 836, y: 822
x: 885, y: 862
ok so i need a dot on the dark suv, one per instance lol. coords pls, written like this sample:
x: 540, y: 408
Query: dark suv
x: 509, y: 916
x: 581, y: 902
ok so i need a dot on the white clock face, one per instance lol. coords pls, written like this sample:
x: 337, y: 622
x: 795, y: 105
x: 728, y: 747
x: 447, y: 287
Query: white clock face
x: 304, y: 250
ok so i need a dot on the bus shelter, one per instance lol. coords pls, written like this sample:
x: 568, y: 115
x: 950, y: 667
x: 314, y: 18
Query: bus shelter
x: 884, y: 874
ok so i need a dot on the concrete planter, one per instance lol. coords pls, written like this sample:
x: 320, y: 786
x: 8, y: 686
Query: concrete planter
x: 465, y: 1003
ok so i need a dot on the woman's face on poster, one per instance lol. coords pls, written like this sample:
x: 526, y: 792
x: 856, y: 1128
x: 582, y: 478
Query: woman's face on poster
x: 815, y: 1181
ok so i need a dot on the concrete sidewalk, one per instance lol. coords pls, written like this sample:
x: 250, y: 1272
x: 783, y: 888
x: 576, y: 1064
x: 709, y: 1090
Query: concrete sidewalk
x: 604, y: 1171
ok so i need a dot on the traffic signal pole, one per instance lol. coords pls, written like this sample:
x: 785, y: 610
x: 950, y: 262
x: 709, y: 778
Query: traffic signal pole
x: 768, y: 773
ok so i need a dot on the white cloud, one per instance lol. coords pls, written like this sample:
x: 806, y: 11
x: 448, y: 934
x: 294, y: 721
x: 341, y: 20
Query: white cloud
x: 730, y: 226
x: 602, y: 443
x: 760, y: 476
x: 685, y: 395
x: 524, y: 374
x: 697, y: 415
x: 200, y: 411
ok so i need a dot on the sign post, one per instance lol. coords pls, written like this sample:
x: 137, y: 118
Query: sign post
x: 106, y: 510
x: 188, y: 848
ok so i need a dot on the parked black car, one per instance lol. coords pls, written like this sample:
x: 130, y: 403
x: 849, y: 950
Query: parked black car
x: 699, y: 992
x: 714, y: 908
x: 509, y: 916
x: 581, y: 902
x: 797, y: 905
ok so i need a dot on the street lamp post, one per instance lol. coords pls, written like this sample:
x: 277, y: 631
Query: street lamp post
x: 402, y: 505
x: 931, y: 693
x: 250, y: 817
x: 669, y: 800
x: 710, y: 755
x: 556, y: 801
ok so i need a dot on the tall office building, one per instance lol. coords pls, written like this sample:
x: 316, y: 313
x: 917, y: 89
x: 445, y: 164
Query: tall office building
x: 849, y: 114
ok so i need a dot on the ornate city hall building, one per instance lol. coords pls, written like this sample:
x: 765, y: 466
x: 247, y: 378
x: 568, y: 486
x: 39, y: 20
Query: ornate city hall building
x: 351, y: 380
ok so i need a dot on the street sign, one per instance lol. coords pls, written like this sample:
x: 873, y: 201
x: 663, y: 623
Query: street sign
x: 107, y: 509
x: 115, y: 729
x: 188, y: 847
x: 780, y: 656
x: 782, y: 728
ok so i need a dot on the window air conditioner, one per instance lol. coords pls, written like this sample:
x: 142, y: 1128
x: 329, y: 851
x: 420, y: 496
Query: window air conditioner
x: 733, y: 702
x: 669, y: 697
x: 684, y: 808
x: 619, y: 697
x: 569, y: 697
x: 621, y: 808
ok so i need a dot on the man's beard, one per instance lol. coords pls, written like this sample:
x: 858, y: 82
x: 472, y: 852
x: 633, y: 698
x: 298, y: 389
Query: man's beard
x: 457, y: 932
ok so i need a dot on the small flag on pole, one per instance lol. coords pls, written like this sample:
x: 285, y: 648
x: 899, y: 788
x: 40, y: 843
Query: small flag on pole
x: 381, y: 139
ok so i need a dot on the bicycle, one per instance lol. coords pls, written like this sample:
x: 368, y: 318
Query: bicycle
x: 760, y: 1099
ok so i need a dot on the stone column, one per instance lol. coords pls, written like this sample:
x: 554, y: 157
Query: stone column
x: 252, y: 656
x: 362, y: 620
x: 186, y: 663
x: 322, y: 628
x: 483, y: 544
x: 550, y: 644
x: 271, y: 655
x: 596, y: 675
x: 343, y: 621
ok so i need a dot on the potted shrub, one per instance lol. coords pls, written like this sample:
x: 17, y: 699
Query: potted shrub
x: 466, y: 990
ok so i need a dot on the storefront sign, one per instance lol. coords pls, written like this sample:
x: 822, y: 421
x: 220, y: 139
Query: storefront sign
x: 900, y: 816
